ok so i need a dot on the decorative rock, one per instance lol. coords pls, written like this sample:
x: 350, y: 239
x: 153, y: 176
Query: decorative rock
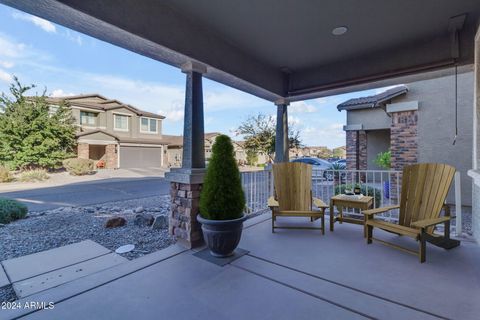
x: 124, y: 249
x: 160, y: 222
x: 139, y: 210
x: 143, y: 219
x: 115, y: 222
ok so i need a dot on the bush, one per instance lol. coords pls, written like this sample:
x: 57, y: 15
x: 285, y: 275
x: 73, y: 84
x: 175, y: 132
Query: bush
x: 79, y: 167
x: 366, y: 190
x: 33, y: 175
x: 384, y: 160
x: 222, y: 195
x: 11, y: 210
x: 5, y: 175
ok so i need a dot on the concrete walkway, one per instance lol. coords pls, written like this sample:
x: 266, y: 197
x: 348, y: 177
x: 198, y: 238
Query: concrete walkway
x: 38, y: 272
x: 292, y: 274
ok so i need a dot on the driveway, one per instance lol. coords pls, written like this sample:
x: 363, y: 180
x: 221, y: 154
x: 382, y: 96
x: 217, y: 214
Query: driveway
x: 90, y: 192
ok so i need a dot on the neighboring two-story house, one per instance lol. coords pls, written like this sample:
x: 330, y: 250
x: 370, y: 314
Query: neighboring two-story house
x: 115, y: 132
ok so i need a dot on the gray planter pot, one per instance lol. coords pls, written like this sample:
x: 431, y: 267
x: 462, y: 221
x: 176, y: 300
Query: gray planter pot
x: 222, y: 236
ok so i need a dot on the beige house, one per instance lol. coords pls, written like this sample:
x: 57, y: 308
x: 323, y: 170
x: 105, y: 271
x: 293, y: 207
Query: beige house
x: 114, y: 133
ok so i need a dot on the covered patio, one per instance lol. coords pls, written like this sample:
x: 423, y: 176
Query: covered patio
x: 284, y: 52
x: 291, y: 274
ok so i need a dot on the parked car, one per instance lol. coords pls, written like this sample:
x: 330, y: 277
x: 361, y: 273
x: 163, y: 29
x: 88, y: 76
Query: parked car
x: 342, y: 162
x: 319, y: 166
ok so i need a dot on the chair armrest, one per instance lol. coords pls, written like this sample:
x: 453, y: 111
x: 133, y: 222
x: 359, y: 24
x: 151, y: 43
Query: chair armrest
x: 429, y: 222
x: 371, y: 212
x: 272, y: 202
x: 319, y: 203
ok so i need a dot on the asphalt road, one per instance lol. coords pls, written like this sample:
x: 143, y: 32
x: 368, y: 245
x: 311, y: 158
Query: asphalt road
x: 92, y: 192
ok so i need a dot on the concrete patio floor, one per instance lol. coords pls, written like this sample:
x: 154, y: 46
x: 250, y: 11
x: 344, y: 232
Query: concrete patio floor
x: 292, y: 274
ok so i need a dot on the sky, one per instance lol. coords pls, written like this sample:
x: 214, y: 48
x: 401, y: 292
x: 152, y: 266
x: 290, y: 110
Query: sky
x: 65, y: 62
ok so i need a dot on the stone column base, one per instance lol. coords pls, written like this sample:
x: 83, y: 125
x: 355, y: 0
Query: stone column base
x: 183, y: 225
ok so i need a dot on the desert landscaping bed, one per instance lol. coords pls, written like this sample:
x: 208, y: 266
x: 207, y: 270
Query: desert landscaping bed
x: 66, y: 225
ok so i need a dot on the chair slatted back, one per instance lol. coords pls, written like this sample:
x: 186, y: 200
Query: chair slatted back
x: 293, y: 186
x: 424, y: 190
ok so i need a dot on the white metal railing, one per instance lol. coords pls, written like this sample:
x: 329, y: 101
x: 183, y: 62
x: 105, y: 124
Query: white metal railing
x: 383, y: 185
x: 258, y: 187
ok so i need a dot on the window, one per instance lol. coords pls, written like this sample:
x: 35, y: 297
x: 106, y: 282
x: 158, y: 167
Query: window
x: 88, y: 118
x: 148, y: 125
x: 120, y: 122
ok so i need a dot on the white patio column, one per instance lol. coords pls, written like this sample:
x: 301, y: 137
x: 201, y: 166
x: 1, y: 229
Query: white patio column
x: 475, y: 172
x: 186, y: 182
x: 281, y: 137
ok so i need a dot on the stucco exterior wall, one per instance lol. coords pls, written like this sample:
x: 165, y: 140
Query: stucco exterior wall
x: 436, y: 125
x: 371, y: 119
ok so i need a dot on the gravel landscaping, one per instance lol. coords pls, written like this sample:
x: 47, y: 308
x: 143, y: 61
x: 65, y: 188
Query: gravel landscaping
x: 59, y: 227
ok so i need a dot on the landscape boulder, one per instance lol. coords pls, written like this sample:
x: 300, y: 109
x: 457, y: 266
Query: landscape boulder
x: 143, y: 219
x: 160, y: 222
x: 115, y: 222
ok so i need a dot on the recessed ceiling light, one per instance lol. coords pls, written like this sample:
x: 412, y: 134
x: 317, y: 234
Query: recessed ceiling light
x: 338, y: 31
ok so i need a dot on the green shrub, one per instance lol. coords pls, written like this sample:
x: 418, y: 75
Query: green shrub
x: 11, y: 210
x: 5, y: 175
x: 383, y: 160
x: 79, y: 167
x: 366, y: 190
x: 222, y: 195
x: 33, y: 175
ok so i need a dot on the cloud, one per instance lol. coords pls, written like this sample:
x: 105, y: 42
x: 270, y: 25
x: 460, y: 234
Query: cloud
x: 224, y: 98
x: 45, y: 25
x: 6, y: 64
x: 60, y: 93
x: 74, y: 37
x: 11, y: 49
x: 331, y: 135
x: 301, y: 107
x: 5, y: 76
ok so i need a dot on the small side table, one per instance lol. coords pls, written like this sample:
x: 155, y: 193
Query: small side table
x: 340, y: 201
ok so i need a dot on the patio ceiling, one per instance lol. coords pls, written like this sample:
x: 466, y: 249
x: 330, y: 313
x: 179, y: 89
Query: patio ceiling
x: 280, y: 49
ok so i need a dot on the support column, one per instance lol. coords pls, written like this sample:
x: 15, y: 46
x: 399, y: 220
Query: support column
x: 475, y: 172
x: 83, y: 151
x: 186, y: 182
x: 281, y: 135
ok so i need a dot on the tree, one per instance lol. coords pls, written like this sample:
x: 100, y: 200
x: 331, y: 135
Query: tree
x: 32, y: 135
x: 259, y: 133
x: 222, y: 196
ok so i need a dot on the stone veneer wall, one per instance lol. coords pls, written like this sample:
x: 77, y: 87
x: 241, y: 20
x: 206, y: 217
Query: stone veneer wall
x: 183, y: 224
x: 476, y: 211
x: 403, y: 143
x: 352, y: 150
x: 111, y: 157
x: 83, y: 150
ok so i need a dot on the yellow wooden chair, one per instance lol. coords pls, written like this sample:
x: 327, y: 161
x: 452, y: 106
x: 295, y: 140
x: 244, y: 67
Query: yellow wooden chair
x: 424, y: 190
x: 293, y: 195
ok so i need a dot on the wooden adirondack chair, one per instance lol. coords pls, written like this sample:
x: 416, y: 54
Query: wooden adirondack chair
x: 293, y: 195
x: 424, y: 190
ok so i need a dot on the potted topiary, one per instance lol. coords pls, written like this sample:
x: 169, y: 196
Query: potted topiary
x: 383, y: 160
x: 222, y: 200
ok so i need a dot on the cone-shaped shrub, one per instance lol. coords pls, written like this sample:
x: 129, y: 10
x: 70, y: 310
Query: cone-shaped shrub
x: 222, y: 195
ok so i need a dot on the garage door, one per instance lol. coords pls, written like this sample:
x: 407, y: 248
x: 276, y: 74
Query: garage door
x: 140, y: 157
